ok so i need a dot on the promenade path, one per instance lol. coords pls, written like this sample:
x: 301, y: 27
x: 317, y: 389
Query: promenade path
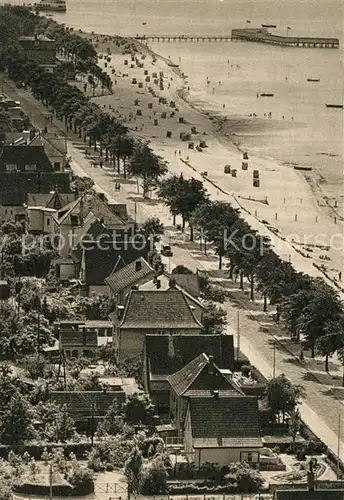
x: 323, y: 404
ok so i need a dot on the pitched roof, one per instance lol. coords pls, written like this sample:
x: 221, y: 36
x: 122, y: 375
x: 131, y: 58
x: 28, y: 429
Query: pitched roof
x: 169, y: 353
x: 52, y: 144
x: 158, y: 309
x: 128, y: 275
x: 91, y: 202
x: 190, y: 283
x: 225, y: 421
x: 200, y: 377
x: 25, y: 155
x: 73, y: 338
x: 79, y: 403
x: 164, y: 281
x: 100, y: 261
x: 54, y: 199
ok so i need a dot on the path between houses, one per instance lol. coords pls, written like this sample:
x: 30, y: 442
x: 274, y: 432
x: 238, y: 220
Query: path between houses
x: 321, y: 408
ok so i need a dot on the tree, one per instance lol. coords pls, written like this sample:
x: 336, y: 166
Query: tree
x: 153, y: 478
x: 138, y: 409
x: 247, y: 479
x: 295, y: 423
x: 5, y: 489
x: 113, y: 422
x: 132, y: 469
x: 16, y: 421
x: 181, y: 270
x: 183, y: 196
x: 76, y: 365
x: 152, y: 228
x: 148, y: 167
x: 214, y: 319
x: 282, y: 397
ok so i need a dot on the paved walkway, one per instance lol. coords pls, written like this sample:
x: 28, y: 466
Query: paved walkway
x: 323, y: 404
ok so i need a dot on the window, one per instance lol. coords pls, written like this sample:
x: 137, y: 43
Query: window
x: 11, y: 168
x: 48, y: 221
x: 109, y: 332
x: 56, y: 165
x: 161, y: 332
x: 75, y: 354
x: 31, y: 168
x: 249, y: 457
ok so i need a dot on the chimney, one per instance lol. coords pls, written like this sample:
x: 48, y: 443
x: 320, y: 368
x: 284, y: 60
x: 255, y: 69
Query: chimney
x: 216, y: 395
x: 211, y: 370
x: 311, y: 474
x: 171, y: 352
x: 120, y: 311
x: 138, y: 265
x: 158, y: 284
x: 172, y: 283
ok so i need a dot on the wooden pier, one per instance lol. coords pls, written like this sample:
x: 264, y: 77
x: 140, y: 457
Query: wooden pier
x: 260, y: 35
x: 183, y: 38
x: 264, y: 36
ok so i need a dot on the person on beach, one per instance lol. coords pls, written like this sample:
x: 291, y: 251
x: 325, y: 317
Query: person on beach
x: 223, y: 106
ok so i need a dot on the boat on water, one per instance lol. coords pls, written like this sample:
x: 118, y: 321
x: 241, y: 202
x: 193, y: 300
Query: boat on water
x: 269, y: 26
x: 313, y: 79
x: 265, y: 94
x: 51, y: 6
x: 338, y: 106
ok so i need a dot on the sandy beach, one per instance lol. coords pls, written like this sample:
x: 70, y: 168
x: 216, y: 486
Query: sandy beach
x: 151, y: 97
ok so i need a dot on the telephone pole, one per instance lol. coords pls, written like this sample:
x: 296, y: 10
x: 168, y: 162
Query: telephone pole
x: 51, y: 481
x: 274, y: 361
x: 338, y: 450
x: 92, y: 424
x: 238, y: 336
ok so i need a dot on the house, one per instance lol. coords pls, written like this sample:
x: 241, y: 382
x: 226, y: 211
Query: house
x: 73, y: 222
x: 222, y: 430
x: 55, y: 148
x: 83, y: 338
x: 199, y: 378
x: 144, y: 312
x: 40, y: 220
x: 122, y: 279
x: 167, y: 354
x: 85, y: 405
x: 54, y: 199
x: 40, y: 49
x: 165, y: 281
x: 24, y: 170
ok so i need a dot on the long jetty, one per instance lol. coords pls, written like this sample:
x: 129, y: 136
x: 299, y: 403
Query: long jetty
x: 183, y: 38
x: 262, y: 35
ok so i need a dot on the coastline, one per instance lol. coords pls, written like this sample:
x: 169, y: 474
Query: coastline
x: 277, y: 179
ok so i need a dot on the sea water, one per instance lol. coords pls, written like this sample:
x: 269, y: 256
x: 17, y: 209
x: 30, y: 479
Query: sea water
x: 225, y: 77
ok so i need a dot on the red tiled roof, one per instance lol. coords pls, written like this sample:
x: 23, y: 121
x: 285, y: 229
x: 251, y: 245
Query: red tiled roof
x: 128, y: 275
x: 195, y: 376
x: 158, y: 309
x: 79, y: 403
x: 229, y: 420
x: 169, y: 353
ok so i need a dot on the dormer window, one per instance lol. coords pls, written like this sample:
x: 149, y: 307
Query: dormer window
x: 10, y: 167
x: 74, y: 219
x: 31, y: 168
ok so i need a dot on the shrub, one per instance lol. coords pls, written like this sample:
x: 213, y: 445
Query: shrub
x: 82, y: 481
x: 246, y: 370
x: 153, y: 478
